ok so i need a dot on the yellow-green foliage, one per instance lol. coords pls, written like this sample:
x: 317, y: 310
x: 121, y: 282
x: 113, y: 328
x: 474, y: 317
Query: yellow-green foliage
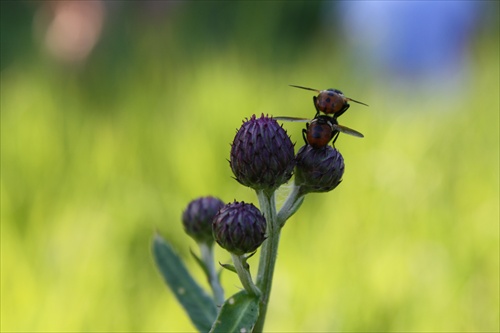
x: 93, y: 160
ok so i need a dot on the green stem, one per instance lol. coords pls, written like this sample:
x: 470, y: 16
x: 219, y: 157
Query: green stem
x: 291, y: 205
x: 268, y: 254
x: 207, y: 256
x: 244, y: 274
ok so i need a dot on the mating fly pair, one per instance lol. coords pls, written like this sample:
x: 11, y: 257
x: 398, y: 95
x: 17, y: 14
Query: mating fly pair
x: 322, y: 129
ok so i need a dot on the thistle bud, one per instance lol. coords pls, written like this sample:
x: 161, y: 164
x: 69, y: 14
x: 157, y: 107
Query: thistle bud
x: 198, y: 216
x: 318, y: 170
x: 262, y: 155
x: 239, y: 228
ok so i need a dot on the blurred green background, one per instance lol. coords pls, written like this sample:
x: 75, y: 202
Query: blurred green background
x: 114, y: 115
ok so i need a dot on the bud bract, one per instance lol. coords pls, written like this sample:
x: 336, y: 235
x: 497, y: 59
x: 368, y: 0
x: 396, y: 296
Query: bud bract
x: 262, y: 155
x: 198, y: 217
x: 239, y: 228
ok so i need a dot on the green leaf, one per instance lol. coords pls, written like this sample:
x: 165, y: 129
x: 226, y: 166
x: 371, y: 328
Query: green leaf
x: 201, y: 264
x: 238, y: 314
x: 229, y: 267
x: 198, y: 304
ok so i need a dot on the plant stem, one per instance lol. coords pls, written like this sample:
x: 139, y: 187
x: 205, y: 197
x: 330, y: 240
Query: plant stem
x: 291, y: 205
x: 268, y: 254
x: 244, y: 274
x: 207, y: 256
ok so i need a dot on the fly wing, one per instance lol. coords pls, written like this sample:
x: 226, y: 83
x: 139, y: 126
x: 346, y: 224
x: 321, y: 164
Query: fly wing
x: 293, y: 119
x: 306, y: 88
x: 347, y: 130
x: 355, y: 101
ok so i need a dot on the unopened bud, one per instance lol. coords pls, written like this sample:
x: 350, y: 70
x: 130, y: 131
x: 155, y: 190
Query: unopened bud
x: 239, y: 228
x: 318, y: 170
x: 198, y: 217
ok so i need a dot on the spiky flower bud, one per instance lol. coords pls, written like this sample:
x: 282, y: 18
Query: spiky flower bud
x: 198, y: 216
x: 318, y: 170
x: 262, y: 155
x: 239, y: 228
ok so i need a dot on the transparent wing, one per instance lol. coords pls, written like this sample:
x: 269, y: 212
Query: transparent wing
x: 355, y: 101
x: 347, y: 130
x: 300, y: 87
x: 293, y: 119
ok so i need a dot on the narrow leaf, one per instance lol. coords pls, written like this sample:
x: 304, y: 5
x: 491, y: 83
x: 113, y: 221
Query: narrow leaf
x: 201, y: 264
x: 229, y: 267
x: 198, y: 304
x: 238, y: 314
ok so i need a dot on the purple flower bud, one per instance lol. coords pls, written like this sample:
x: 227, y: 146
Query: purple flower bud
x: 262, y: 155
x: 239, y: 228
x: 318, y: 170
x: 198, y: 217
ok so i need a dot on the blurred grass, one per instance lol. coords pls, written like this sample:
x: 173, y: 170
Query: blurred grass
x: 94, y: 160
